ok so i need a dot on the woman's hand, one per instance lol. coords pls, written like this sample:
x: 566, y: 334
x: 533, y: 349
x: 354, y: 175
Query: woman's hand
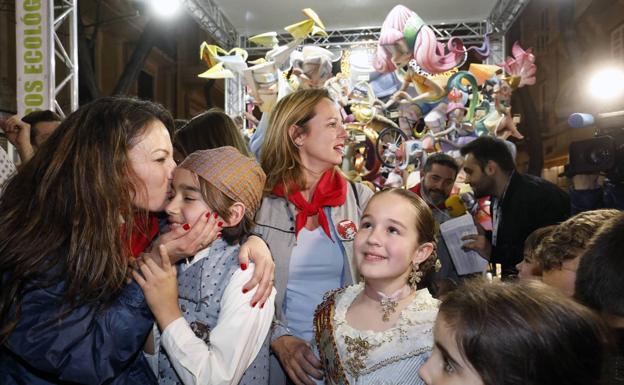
x: 256, y: 250
x: 186, y: 240
x: 297, y: 359
x: 160, y: 287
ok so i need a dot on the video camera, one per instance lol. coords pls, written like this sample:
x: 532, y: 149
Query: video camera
x: 602, y: 154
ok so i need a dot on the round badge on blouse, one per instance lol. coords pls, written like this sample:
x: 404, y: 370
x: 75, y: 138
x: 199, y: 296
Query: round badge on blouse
x: 346, y: 230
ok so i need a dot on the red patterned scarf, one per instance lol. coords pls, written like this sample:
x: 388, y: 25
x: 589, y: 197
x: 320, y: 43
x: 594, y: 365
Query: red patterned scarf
x: 331, y: 191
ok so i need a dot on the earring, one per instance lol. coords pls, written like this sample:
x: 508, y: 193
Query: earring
x: 438, y: 265
x: 415, y: 276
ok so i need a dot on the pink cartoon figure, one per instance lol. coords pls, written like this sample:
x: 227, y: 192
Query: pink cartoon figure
x: 407, y: 41
x: 405, y: 36
x: 521, y: 65
x: 520, y: 71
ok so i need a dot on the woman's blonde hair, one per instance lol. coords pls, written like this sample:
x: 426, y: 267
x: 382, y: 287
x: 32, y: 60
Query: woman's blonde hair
x: 280, y: 157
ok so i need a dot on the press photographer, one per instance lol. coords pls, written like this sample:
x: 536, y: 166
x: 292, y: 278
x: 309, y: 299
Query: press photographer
x: 596, y: 165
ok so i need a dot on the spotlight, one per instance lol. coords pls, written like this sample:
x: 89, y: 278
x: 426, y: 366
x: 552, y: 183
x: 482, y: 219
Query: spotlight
x: 165, y: 8
x: 607, y: 84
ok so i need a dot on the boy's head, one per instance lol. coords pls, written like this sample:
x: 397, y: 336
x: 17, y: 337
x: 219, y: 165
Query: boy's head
x: 530, y: 266
x: 560, y: 252
x: 221, y: 181
x: 599, y: 282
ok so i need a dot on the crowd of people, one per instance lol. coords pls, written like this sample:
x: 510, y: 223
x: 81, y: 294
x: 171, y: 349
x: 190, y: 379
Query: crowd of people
x: 132, y: 252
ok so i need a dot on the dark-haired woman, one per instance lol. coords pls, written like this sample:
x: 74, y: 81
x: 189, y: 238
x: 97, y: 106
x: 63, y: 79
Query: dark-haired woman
x: 70, y: 223
x: 211, y: 129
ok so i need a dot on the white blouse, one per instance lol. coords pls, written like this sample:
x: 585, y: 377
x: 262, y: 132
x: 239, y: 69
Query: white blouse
x: 234, y: 342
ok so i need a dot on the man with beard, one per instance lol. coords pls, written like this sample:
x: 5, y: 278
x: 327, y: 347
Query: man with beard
x: 520, y: 203
x: 437, y: 181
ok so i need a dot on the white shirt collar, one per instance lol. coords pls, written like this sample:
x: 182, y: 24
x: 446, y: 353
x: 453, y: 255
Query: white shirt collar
x: 201, y: 254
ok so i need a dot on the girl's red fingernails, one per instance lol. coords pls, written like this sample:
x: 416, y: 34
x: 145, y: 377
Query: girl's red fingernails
x: 208, y: 215
x: 245, y: 291
x: 254, y: 304
x: 186, y: 227
x: 262, y: 306
x: 215, y: 215
x: 218, y: 235
x: 220, y: 224
x: 243, y: 266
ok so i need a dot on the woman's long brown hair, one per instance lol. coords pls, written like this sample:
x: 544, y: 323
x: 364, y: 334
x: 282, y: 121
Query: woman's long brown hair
x: 61, y: 216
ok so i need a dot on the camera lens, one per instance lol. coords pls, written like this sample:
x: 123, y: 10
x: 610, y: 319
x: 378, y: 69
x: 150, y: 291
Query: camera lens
x: 599, y: 155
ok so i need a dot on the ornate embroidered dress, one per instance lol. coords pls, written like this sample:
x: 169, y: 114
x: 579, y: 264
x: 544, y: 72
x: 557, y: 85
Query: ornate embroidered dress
x: 359, y: 357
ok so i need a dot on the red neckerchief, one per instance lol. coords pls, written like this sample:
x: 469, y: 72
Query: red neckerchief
x: 143, y: 232
x: 331, y: 191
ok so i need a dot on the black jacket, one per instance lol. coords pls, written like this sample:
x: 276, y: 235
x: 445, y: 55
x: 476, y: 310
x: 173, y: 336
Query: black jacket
x: 529, y: 203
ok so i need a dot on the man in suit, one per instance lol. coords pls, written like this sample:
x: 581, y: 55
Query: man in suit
x: 520, y: 203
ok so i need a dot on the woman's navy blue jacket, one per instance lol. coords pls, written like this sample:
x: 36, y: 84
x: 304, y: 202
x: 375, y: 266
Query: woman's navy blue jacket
x: 86, y: 346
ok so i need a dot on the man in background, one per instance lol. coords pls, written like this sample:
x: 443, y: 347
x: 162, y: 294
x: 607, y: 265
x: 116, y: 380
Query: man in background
x: 438, y: 179
x: 520, y: 203
x: 28, y: 133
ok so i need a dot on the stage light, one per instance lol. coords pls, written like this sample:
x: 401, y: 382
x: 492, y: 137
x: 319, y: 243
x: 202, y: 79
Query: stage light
x: 607, y: 84
x: 165, y: 8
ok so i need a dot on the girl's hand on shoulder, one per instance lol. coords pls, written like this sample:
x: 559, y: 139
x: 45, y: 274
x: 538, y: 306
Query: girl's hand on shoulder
x: 160, y: 287
x: 256, y: 250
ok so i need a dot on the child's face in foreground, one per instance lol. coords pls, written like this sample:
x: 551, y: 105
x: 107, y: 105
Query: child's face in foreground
x: 446, y: 366
x: 186, y: 204
x: 387, y: 241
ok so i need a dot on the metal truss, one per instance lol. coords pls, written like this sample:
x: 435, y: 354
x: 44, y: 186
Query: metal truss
x: 334, y: 38
x: 505, y: 12
x: 470, y: 32
x: 210, y: 18
x: 234, y: 96
x: 64, y: 43
x: 497, y: 49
